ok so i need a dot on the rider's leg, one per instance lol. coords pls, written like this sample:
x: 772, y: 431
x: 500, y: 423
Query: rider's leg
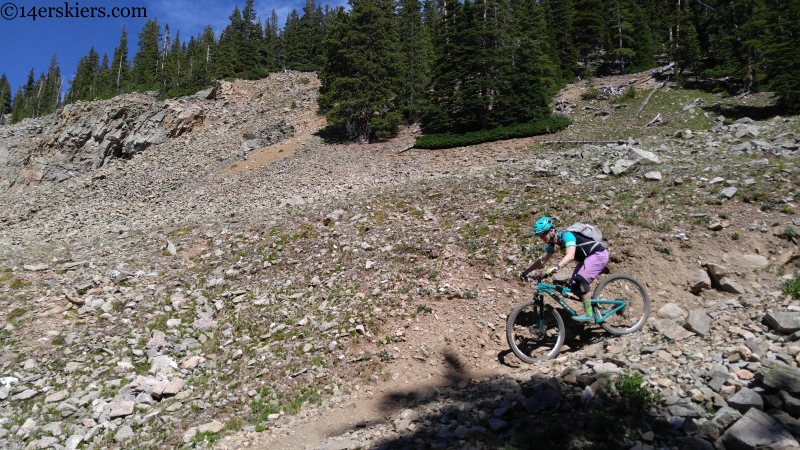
x: 581, y: 288
x: 583, y: 276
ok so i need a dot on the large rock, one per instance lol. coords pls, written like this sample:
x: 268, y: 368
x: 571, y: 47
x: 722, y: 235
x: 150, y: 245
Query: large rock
x: 622, y: 166
x: 746, y: 399
x: 120, y: 409
x: 778, y: 375
x: 698, y: 322
x: 700, y: 283
x: 671, y: 311
x: 716, y: 272
x: 784, y: 322
x: 643, y: 156
x: 728, y: 285
x: 747, y: 261
x: 726, y: 416
x: 757, y: 430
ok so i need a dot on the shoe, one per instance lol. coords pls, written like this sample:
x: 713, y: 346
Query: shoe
x: 583, y: 318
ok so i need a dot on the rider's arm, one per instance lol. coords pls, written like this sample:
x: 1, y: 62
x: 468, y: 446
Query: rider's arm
x: 570, y: 245
x: 538, y: 264
x: 569, y: 255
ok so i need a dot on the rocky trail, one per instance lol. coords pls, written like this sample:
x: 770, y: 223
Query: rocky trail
x: 211, y: 272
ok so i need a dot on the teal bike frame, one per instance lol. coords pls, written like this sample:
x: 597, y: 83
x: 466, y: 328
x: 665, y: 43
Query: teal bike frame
x: 557, y: 292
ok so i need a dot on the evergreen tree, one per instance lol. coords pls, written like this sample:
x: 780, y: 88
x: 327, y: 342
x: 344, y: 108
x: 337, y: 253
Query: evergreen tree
x: 23, y: 104
x: 248, y: 63
x: 5, y: 95
x: 687, y: 49
x: 17, y: 113
x: 780, y: 50
x: 145, y: 74
x: 643, y: 45
x: 417, y: 53
x: 270, y: 47
x: 531, y: 73
x: 561, y: 17
x: 227, y: 53
x: 50, y: 98
x: 621, y: 51
x: 306, y: 50
x: 120, y: 68
x: 360, y: 78
x: 590, y: 31
x: 446, y: 69
x: 291, y: 40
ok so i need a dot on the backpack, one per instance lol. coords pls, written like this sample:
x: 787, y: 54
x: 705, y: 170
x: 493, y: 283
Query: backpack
x: 586, y: 230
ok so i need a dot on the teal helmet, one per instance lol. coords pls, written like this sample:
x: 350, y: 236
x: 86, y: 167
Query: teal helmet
x: 542, y: 226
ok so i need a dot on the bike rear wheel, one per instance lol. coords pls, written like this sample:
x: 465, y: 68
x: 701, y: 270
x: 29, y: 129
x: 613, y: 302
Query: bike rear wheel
x: 637, y: 305
x: 535, y: 332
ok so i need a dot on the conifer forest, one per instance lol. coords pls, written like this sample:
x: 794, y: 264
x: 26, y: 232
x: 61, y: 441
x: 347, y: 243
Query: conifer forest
x: 451, y: 66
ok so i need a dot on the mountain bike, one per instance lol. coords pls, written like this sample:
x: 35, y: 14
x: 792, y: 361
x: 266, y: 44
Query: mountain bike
x: 536, y: 332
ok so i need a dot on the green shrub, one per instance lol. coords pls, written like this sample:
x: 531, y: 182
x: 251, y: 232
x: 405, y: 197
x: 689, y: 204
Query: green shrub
x: 448, y: 140
x: 792, y: 287
x: 630, y: 387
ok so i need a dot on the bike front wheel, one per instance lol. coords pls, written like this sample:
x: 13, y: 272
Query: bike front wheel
x: 535, y: 331
x: 633, y: 315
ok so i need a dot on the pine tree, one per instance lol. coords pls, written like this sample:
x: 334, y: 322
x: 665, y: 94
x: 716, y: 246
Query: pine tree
x: 621, y: 51
x: 145, y: 74
x: 780, y: 50
x: 291, y: 40
x: 50, y: 98
x: 248, y: 64
x: 643, y: 45
x: 590, y: 31
x: 446, y: 69
x: 270, y: 47
x: 5, y: 95
x: 531, y: 73
x: 687, y: 49
x: 23, y: 104
x: 17, y: 113
x: 306, y: 51
x: 230, y: 41
x: 561, y: 17
x: 120, y: 68
x: 360, y: 78
x: 417, y: 51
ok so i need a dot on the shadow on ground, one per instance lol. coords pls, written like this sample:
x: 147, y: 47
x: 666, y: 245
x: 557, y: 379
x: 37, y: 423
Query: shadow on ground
x: 523, y: 410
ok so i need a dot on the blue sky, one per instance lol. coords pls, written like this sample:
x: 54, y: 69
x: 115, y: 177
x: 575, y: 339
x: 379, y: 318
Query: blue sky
x: 26, y: 43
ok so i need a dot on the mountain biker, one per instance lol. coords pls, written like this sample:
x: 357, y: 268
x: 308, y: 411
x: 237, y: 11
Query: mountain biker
x: 590, y: 255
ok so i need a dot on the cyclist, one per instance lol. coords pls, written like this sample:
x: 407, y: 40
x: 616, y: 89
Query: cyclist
x: 590, y: 255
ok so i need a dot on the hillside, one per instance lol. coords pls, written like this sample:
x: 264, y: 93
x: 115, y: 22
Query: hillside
x: 219, y: 275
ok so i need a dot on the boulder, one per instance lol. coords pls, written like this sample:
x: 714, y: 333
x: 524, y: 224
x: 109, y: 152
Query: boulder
x: 746, y: 261
x: 643, y: 156
x: 671, y: 311
x: 757, y: 430
x: 781, y: 376
x: 653, y: 176
x: 783, y: 322
x: 746, y: 399
x: 701, y: 282
x: 698, y: 322
x: 728, y: 285
x: 716, y: 272
x: 622, y: 166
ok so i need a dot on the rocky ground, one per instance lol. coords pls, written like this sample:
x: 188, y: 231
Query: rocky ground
x: 220, y: 275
